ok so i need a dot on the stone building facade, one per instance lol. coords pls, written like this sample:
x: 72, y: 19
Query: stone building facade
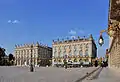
x: 114, y: 56
x: 114, y: 47
x: 74, y: 51
x: 37, y: 54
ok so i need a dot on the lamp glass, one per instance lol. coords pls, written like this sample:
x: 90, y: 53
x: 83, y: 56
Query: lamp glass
x: 101, y: 40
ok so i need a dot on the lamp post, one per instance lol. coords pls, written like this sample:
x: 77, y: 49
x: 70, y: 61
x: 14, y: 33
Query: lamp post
x: 31, y: 65
x: 113, y: 31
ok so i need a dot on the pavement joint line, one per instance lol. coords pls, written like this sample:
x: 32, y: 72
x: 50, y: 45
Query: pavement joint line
x: 96, y: 74
x: 87, y: 75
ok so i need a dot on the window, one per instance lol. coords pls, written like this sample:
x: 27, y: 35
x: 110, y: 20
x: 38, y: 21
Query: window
x: 60, y: 54
x: 55, y: 52
x: 87, y: 46
x: 55, y: 49
x: 86, y: 53
x: 81, y: 53
x: 65, y: 47
x: 80, y: 46
x: 75, y: 50
x: 70, y: 53
x: 64, y: 53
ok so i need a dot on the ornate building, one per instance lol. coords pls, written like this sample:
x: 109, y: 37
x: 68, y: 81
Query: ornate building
x: 74, y: 51
x: 32, y: 53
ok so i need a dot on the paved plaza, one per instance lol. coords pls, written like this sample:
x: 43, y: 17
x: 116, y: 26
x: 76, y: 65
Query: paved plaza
x: 42, y: 74
x: 106, y: 75
x: 53, y: 74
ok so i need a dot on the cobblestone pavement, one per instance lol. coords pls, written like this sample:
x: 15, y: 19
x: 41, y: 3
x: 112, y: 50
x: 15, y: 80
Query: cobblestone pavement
x: 107, y: 75
x: 42, y: 74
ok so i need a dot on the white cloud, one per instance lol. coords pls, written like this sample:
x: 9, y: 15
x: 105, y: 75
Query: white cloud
x: 9, y: 21
x: 15, y: 21
x: 72, y: 32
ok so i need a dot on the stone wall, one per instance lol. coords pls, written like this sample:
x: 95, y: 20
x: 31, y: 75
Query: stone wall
x: 114, y: 56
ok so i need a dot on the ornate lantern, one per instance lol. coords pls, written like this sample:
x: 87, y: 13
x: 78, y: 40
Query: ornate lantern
x: 101, y: 40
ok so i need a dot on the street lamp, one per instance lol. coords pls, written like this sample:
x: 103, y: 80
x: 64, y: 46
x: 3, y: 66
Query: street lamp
x: 101, y: 40
x: 113, y: 31
x: 31, y: 65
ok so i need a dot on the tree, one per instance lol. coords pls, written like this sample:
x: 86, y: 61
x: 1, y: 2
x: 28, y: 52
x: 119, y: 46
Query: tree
x: 2, y: 52
x: 2, y: 55
x: 11, y: 57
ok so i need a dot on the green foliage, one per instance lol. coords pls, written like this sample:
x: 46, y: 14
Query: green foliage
x: 100, y: 63
x: 11, y: 57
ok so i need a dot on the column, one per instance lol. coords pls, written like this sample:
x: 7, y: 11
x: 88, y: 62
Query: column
x: 53, y: 56
x: 83, y: 49
x: 23, y: 58
x: 29, y: 55
x: 36, y: 57
x: 72, y: 49
x: 20, y: 56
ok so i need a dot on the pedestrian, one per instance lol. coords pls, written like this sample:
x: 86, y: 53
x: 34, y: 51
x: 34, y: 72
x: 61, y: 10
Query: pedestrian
x: 96, y: 63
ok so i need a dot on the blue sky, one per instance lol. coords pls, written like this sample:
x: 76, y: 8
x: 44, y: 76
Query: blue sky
x: 27, y: 21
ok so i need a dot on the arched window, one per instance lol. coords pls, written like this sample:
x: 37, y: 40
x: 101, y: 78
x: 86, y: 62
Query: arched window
x: 54, y: 60
x: 75, y: 60
x: 59, y: 60
x: 80, y: 60
x: 69, y: 60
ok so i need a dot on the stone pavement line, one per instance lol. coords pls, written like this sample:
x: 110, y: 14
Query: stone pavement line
x: 95, y: 74
x: 107, y: 75
x: 87, y: 75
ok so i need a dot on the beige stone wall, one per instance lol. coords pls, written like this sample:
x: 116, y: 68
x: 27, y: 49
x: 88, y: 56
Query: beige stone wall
x: 79, y: 50
x: 114, y: 56
x: 23, y: 54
